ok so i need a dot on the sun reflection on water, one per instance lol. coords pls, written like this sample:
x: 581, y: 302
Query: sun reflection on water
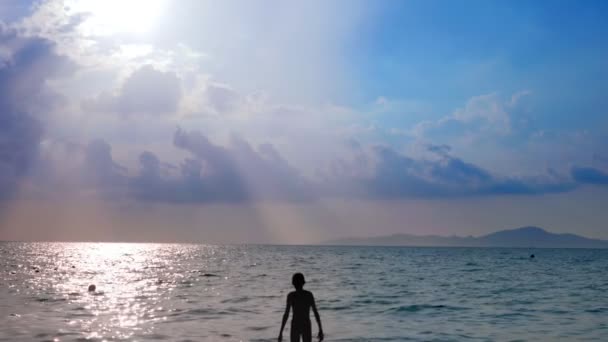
x: 112, y: 268
x: 142, y: 291
x: 133, y: 283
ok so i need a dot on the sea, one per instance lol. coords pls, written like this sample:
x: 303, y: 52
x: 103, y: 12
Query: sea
x: 195, y: 292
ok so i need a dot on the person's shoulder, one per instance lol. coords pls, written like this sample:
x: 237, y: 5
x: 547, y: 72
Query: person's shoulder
x: 308, y: 293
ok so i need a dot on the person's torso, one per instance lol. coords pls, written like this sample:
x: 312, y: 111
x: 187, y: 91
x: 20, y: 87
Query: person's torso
x: 301, y: 302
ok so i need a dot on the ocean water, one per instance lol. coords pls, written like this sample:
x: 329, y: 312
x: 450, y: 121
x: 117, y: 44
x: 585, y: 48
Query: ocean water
x: 180, y: 292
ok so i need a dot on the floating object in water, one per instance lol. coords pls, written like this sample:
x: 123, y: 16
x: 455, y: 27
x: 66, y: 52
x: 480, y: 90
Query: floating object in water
x: 210, y: 275
x: 92, y: 288
x: 531, y: 256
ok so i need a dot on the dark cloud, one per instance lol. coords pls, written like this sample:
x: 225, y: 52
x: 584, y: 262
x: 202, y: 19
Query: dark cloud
x: 25, y: 65
x: 239, y: 172
x: 150, y: 166
x: 589, y: 175
x: 19, y: 142
x: 600, y: 158
x: 153, y: 182
x: 442, y: 150
x: 213, y: 173
x: 395, y: 175
x: 100, y: 168
x: 146, y: 91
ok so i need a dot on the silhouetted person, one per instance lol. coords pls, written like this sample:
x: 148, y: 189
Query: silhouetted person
x: 301, y: 301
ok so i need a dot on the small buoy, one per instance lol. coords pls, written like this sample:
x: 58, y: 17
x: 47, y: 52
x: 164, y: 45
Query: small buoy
x: 531, y: 256
x: 92, y: 288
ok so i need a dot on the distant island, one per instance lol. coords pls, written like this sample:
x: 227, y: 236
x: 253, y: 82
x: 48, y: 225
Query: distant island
x: 527, y: 237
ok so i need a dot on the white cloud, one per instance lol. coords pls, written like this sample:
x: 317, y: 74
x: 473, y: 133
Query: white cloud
x: 146, y: 91
x: 487, y: 108
x: 481, y: 114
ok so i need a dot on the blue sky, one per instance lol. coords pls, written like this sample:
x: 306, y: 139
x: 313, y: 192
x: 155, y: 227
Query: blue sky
x: 443, y: 53
x: 296, y: 122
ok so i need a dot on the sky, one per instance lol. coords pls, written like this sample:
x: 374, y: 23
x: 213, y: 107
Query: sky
x: 298, y: 122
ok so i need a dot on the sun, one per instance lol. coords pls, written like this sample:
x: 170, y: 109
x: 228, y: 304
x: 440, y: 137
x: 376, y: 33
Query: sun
x: 107, y: 17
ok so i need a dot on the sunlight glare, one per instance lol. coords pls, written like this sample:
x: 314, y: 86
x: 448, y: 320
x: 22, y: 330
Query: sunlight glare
x: 108, y: 17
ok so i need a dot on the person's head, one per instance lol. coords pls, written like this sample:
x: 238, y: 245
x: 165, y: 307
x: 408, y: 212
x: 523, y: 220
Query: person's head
x: 298, y: 281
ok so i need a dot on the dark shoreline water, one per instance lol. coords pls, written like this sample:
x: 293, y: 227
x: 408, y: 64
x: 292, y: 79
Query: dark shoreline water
x: 181, y: 292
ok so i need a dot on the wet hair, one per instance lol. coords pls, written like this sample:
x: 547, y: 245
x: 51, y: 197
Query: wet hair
x: 298, y: 280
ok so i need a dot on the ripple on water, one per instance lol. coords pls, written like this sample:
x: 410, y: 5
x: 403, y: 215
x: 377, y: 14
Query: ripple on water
x: 424, y: 307
x: 233, y: 293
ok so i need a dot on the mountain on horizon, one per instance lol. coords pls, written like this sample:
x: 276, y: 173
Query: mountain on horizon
x: 528, y: 237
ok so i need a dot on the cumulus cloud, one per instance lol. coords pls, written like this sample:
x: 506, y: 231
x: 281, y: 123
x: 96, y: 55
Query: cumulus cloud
x: 146, y: 91
x: 488, y: 108
x: 239, y: 172
x: 154, y: 181
x: 487, y: 113
x: 19, y: 140
x: 212, y: 173
x: 100, y: 167
x: 25, y: 65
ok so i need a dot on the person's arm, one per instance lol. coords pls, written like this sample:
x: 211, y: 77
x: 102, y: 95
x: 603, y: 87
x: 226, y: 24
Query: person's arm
x: 285, y: 316
x: 317, y: 317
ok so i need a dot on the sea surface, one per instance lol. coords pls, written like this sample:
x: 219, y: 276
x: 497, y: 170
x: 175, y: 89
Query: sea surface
x: 182, y: 292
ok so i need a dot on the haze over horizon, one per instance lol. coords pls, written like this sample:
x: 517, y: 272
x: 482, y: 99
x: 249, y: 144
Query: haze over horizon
x: 297, y: 122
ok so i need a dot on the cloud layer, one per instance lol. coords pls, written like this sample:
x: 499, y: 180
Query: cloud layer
x: 240, y: 173
x: 152, y: 97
